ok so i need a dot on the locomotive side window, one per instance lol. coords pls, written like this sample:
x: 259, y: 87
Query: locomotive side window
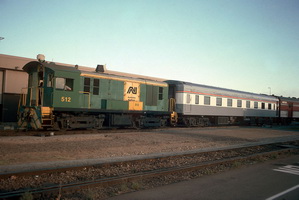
x: 207, y: 100
x: 96, y: 86
x: 247, y: 104
x: 69, y: 84
x: 160, y: 93
x: 197, y: 99
x: 219, y: 101
x: 229, y: 102
x: 239, y: 103
x: 64, y: 84
x: 86, y: 85
x: 60, y: 83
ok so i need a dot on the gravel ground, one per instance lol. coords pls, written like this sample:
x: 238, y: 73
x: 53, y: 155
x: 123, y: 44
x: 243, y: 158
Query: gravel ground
x: 88, y: 145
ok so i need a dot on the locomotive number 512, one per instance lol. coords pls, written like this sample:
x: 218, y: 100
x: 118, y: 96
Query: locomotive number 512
x: 66, y: 99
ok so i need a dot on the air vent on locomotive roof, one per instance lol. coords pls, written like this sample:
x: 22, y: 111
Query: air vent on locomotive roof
x: 101, y: 68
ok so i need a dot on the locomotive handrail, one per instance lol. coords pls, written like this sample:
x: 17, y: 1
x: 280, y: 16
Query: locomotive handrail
x: 172, y: 103
x: 39, y: 91
x: 22, y: 99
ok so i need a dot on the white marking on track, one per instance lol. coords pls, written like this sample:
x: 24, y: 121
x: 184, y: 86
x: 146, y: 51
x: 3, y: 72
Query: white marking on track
x: 291, y: 169
x: 283, y: 193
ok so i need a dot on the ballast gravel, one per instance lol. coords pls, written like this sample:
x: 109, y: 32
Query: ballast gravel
x: 39, y: 147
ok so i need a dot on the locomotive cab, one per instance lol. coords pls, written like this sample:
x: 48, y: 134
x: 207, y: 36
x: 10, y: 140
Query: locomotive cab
x: 38, y: 99
x: 34, y: 111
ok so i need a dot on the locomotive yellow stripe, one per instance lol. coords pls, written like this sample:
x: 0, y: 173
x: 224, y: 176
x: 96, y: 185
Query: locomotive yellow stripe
x: 125, y: 79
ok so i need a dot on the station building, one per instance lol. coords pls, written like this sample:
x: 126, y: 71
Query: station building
x: 12, y: 80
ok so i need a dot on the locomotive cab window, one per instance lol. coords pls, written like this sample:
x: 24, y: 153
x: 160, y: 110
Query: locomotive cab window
x: 64, y: 84
x: 50, y: 81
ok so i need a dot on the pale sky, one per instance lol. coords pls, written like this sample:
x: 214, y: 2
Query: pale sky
x: 248, y: 45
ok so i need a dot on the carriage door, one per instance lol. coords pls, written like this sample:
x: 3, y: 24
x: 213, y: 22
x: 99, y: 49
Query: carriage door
x: 290, y: 110
x: 188, y: 103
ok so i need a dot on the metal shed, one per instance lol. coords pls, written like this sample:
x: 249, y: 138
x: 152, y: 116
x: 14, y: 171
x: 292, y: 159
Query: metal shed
x: 12, y: 80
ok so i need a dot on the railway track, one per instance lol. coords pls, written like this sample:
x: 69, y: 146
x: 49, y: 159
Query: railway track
x: 135, y: 171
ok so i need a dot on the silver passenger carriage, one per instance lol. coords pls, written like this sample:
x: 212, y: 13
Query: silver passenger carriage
x: 201, y: 105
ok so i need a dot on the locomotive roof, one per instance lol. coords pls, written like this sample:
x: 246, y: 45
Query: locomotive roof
x: 218, y: 91
x: 123, y: 78
x: 90, y: 72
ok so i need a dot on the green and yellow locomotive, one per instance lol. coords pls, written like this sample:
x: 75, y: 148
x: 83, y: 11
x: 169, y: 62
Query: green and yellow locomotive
x: 70, y: 97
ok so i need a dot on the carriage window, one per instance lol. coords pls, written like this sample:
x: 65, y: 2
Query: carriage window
x: 160, y: 93
x: 188, y: 98
x: 256, y: 105
x: 86, y: 84
x: 197, y: 99
x: 269, y: 106
x: 247, y: 104
x: 229, y: 102
x: 207, y: 100
x: 96, y: 86
x: 219, y: 101
x: 263, y: 105
x: 239, y: 103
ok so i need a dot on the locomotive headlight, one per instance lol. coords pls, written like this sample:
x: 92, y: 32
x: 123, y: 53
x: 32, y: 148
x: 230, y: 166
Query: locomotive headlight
x: 41, y: 58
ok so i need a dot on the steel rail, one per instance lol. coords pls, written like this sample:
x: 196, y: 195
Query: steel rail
x: 109, y: 181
